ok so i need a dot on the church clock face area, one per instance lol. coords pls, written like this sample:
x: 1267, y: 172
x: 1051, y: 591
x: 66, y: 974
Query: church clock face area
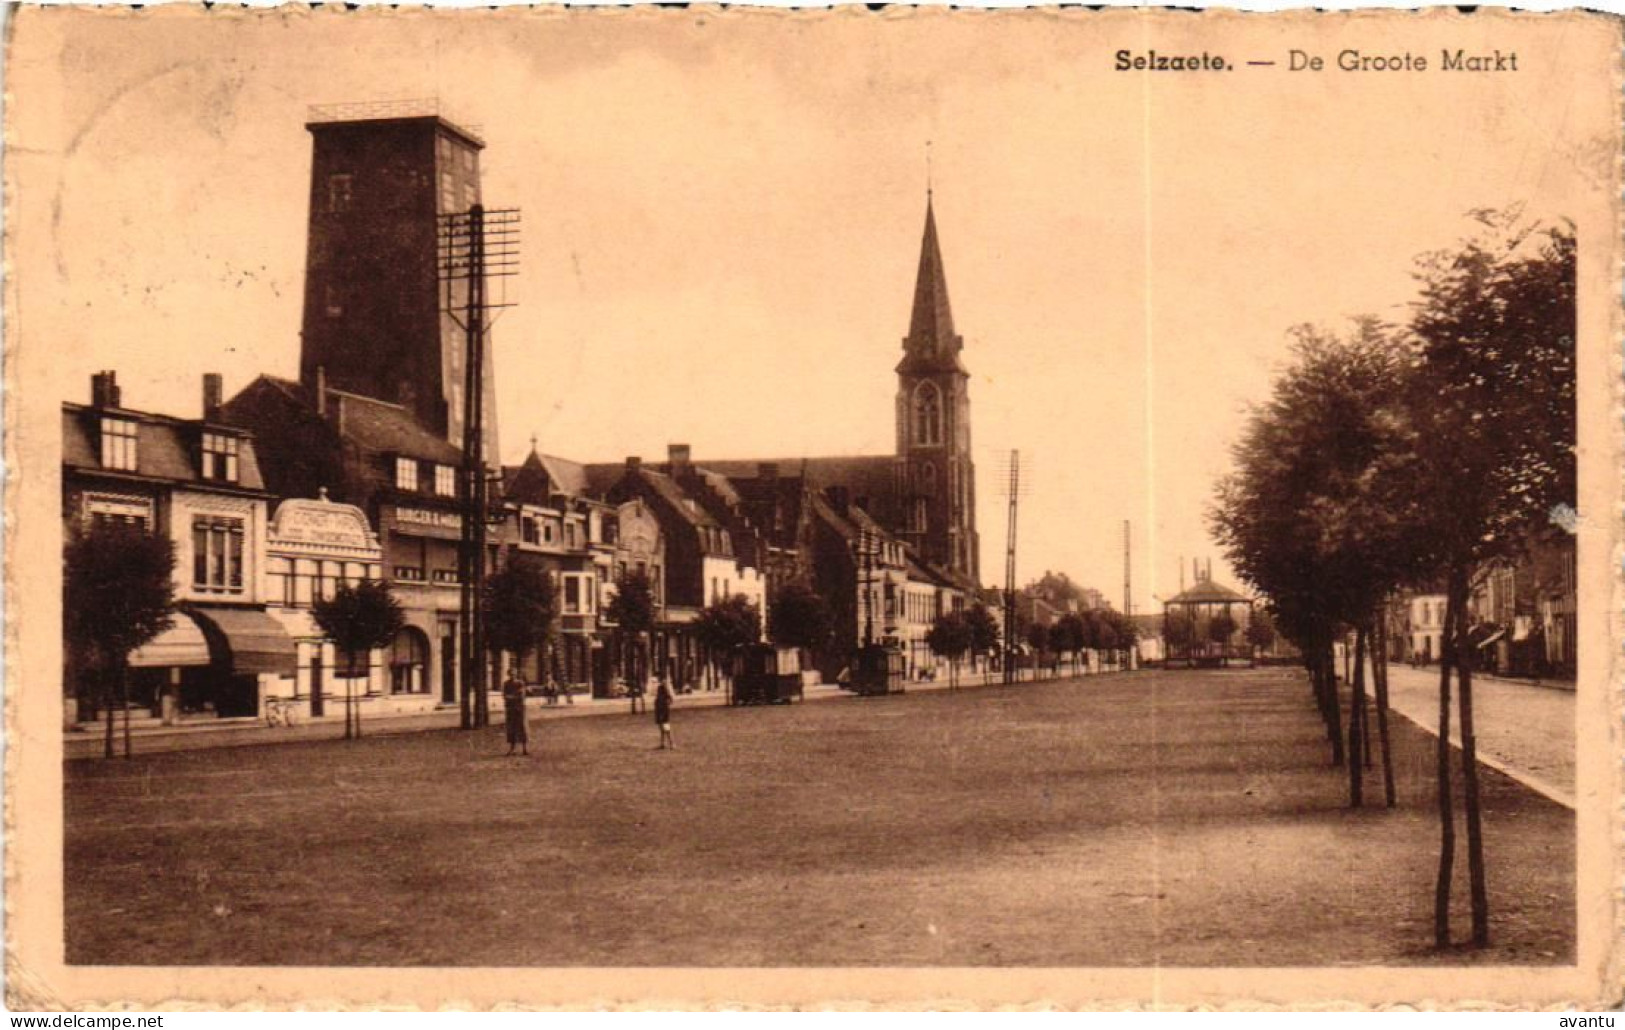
x: 578, y: 539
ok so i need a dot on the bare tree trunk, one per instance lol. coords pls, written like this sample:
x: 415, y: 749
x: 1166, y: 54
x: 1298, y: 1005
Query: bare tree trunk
x: 1365, y: 706
x: 1380, y: 668
x: 358, y: 699
x: 124, y: 700
x: 1334, y: 712
x: 1357, y: 722
x: 1448, y: 642
x: 107, y: 702
x: 1469, y: 778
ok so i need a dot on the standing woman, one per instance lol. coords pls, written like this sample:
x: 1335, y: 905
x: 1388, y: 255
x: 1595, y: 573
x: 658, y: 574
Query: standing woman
x: 663, y: 700
x: 513, y: 708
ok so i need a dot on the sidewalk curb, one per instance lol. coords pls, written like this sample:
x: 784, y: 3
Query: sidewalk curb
x: 1546, y: 789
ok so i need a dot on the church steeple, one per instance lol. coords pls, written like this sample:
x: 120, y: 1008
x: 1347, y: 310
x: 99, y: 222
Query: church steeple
x: 931, y: 344
x: 935, y: 475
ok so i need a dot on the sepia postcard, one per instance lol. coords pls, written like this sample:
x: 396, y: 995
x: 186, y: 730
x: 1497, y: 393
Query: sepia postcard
x: 702, y: 507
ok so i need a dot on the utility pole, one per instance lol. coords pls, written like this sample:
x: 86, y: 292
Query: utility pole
x: 1010, y: 571
x: 1128, y: 596
x: 475, y: 246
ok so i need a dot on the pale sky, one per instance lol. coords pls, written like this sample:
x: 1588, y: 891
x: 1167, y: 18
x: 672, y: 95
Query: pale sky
x: 722, y: 216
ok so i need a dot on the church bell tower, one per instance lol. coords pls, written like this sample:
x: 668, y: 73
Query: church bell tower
x: 937, y: 481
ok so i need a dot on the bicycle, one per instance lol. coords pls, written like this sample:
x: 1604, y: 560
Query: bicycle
x: 279, y: 711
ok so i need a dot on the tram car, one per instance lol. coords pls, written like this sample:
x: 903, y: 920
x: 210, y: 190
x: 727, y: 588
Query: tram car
x: 767, y: 675
x: 879, y: 670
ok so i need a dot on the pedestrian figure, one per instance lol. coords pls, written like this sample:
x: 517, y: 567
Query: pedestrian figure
x: 513, y: 705
x: 636, y: 691
x: 663, y: 700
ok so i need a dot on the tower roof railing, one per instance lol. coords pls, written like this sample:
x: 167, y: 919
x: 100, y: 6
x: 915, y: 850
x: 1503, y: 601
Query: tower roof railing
x: 374, y: 110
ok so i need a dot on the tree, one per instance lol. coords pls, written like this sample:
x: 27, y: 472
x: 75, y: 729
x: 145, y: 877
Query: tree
x: 1260, y: 630
x: 118, y: 592
x: 1122, y: 633
x: 1221, y: 627
x: 1493, y: 396
x: 800, y: 617
x: 358, y: 618
x: 1384, y: 459
x: 728, y: 624
x: 1068, y: 636
x: 1319, y: 515
x: 1105, y: 633
x: 520, y: 609
x: 950, y: 637
x: 984, y: 629
x: 632, y: 610
x: 1038, y: 640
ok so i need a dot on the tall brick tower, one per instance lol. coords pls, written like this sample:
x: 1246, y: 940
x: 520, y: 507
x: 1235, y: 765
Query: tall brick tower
x: 937, y: 478
x: 381, y: 175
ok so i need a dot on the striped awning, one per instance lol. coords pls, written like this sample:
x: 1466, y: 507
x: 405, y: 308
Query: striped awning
x: 181, y: 644
x: 247, y: 639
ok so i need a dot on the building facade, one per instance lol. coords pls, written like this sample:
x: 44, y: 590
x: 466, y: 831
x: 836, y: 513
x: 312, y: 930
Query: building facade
x: 403, y: 477
x: 314, y: 546
x: 198, y: 483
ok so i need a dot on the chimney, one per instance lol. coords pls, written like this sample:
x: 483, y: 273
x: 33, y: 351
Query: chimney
x: 838, y: 498
x: 212, y: 391
x: 104, y: 391
x: 633, y: 464
x: 768, y: 470
x: 677, y: 455
x: 321, y: 390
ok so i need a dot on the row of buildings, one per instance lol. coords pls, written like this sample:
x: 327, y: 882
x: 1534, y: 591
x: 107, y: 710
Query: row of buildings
x: 1523, y: 614
x: 288, y: 488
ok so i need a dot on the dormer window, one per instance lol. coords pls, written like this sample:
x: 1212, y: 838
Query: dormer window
x: 406, y: 474
x: 220, y: 457
x: 118, y: 444
x: 445, y: 481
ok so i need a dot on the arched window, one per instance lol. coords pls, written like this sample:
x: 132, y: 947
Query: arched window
x: 408, y: 658
x: 927, y: 414
x: 928, y: 479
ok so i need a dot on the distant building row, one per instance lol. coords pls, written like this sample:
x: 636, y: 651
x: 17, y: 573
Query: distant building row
x: 289, y: 488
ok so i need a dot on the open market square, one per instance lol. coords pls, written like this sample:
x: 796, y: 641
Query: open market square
x: 1175, y: 818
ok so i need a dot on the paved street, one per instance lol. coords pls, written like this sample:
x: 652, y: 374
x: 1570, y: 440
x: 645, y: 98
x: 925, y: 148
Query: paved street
x: 1526, y: 730
x: 1157, y: 818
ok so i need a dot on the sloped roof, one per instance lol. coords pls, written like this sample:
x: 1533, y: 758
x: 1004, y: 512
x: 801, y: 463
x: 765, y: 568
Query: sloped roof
x: 689, y: 508
x: 870, y: 476
x: 569, y: 477
x: 932, y: 345
x: 164, y: 449
x: 390, y: 428
x: 527, y: 483
x: 376, y: 425
x: 1209, y: 592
